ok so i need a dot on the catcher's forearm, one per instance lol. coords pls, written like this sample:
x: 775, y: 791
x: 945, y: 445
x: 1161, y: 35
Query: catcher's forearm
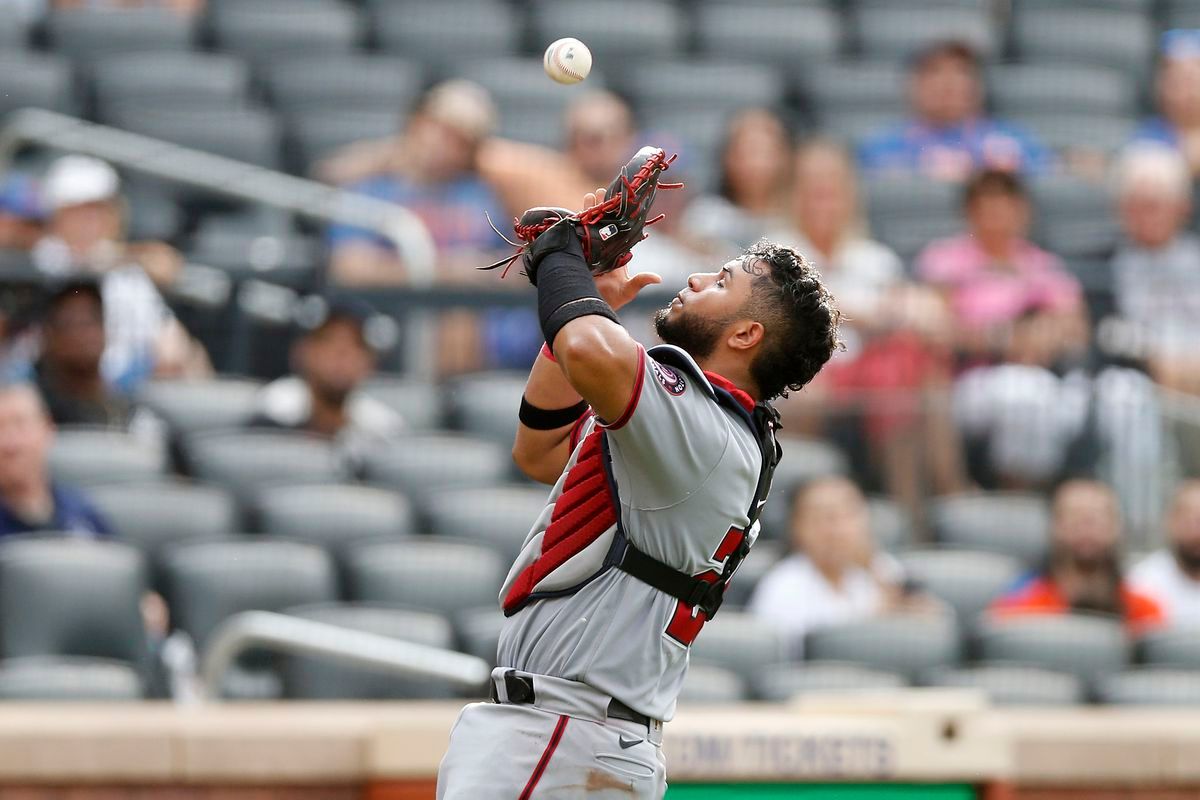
x: 542, y: 454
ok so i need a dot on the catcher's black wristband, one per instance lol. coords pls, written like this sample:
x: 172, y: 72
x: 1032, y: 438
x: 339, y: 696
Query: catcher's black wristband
x: 567, y: 291
x: 546, y: 419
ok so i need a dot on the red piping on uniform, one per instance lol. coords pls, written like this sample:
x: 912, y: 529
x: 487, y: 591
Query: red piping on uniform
x: 540, y: 769
x: 739, y: 394
x: 637, y: 393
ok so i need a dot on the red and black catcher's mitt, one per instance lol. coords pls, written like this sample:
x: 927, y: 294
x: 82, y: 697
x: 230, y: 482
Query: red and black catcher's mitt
x: 609, y: 229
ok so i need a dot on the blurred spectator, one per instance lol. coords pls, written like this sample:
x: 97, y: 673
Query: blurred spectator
x: 895, y: 360
x: 833, y: 575
x: 332, y: 359
x: 85, y: 234
x: 1178, y: 98
x: 29, y: 500
x: 432, y: 170
x: 185, y: 7
x: 993, y: 275
x: 949, y: 136
x: 21, y: 215
x: 1172, y: 575
x: 600, y: 135
x: 1083, y: 570
x: 755, y: 175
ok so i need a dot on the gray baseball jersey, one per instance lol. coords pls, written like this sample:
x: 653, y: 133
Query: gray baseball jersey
x: 676, y: 474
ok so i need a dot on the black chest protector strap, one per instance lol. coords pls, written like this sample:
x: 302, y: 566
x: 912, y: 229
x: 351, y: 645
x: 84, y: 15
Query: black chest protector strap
x: 707, y: 593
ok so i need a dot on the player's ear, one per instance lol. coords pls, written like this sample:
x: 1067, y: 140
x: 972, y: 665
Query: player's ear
x: 745, y: 334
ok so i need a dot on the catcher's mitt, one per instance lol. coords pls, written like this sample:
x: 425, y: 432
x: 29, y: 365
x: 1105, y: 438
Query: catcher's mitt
x: 607, y: 230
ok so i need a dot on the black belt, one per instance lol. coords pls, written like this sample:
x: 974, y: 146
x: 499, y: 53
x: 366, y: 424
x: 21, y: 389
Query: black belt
x: 520, y: 692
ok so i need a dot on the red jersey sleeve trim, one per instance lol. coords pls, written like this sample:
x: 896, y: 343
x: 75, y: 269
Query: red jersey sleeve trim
x: 638, y: 382
x: 577, y: 428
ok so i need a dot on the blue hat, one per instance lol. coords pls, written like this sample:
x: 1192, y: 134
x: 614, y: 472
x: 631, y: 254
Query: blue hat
x: 1180, y: 43
x: 19, y: 197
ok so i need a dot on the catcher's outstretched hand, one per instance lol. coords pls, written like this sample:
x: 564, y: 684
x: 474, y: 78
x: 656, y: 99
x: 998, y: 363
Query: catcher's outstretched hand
x: 616, y: 286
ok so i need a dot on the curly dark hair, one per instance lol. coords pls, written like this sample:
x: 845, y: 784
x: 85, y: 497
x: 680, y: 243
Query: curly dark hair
x: 798, y: 314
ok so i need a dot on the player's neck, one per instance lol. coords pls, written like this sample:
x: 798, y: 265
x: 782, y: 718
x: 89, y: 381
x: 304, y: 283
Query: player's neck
x: 732, y: 369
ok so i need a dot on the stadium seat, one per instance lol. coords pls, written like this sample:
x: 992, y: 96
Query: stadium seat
x: 498, y: 516
x: 1152, y: 687
x: 244, y: 461
x: 905, y: 644
x: 14, y: 34
x: 853, y: 127
x: 263, y: 30
x: 193, y: 406
x: 1171, y: 647
x: 423, y: 462
x: 907, y: 212
x: 37, y: 81
x: 803, y: 460
x: 436, y: 33
x: 85, y: 34
x: 72, y: 597
x: 250, y: 252
x: 1103, y: 37
x: 777, y: 33
x: 96, y: 455
x: 67, y: 679
x: 479, y: 630
x: 181, y: 80
x: 437, y: 575
x: 739, y: 643
x: 315, y: 134
x: 708, y: 685
x: 705, y: 83
x: 519, y: 86
x: 1075, y: 218
x: 153, y: 516
x: 764, y: 555
x: 343, y: 83
x: 249, y: 135
x: 1022, y: 88
x: 418, y: 401
x: 699, y: 132
x: 1138, y: 6
x: 616, y: 29
x: 1181, y: 14
x: 318, y: 678
x: 1008, y: 685
x: 896, y: 32
x: 1008, y: 523
x: 1102, y: 133
x: 968, y: 581
x: 854, y: 86
x: 333, y: 515
x: 485, y: 404
x: 781, y: 683
x: 891, y: 526
x: 1086, y: 646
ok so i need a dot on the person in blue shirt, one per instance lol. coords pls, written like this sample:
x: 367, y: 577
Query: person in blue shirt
x: 949, y: 137
x: 1178, y: 91
x: 29, y: 500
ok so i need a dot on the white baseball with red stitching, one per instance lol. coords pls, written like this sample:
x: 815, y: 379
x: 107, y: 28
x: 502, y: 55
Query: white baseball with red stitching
x: 567, y: 61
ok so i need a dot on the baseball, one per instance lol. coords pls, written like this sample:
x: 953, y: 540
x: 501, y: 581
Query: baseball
x: 568, y: 60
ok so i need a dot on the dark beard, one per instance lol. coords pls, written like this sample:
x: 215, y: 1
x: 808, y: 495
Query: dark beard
x: 1188, y: 558
x: 695, y: 334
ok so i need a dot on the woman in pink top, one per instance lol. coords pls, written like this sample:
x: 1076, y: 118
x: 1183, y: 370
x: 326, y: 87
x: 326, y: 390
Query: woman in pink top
x: 993, y: 275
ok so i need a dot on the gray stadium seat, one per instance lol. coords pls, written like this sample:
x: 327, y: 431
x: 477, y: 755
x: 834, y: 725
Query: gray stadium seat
x: 249, y: 135
x: 1008, y: 685
x: 93, y: 455
x: 333, y: 515
x: 182, y: 80
x: 907, y: 212
x: 227, y: 243
x: 439, y: 32
x: 1018, y: 88
x: 37, y: 81
x: 803, y: 460
x: 1105, y: 37
x: 905, y: 644
x: 192, y: 406
x: 71, y: 597
x: 14, y: 34
x: 709, y: 685
x: 438, y: 575
x: 708, y: 83
x: 519, y: 86
x: 1177, y: 646
x: 699, y: 132
x: 485, y: 404
x: 1152, y: 687
x: 1086, y: 646
x: 1075, y: 217
x: 479, y: 630
x: 418, y: 401
x: 1139, y: 6
x: 314, y: 678
x: 88, y: 33
x: 855, y: 86
x: 268, y: 29
x: 738, y: 642
x: 243, y: 461
x: 68, y: 679
x: 1009, y: 523
x: 1181, y: 14
x: 344, y: 83
x: 1103, y: 133
x: 896, y: 32
x: 152, y: 516
x: 968, y: 581
x: 777, y: 33
x: 891, y: 526
x: 783, y: 682
x: 317, y: 133
x: 498, y: 516
x: 616, y: 29
x: 854, y: 126
x: 420, y: 463
x: 764, y: 555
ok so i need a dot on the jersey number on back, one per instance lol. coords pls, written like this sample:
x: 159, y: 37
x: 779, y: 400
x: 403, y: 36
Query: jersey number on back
x: 687, y: 621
